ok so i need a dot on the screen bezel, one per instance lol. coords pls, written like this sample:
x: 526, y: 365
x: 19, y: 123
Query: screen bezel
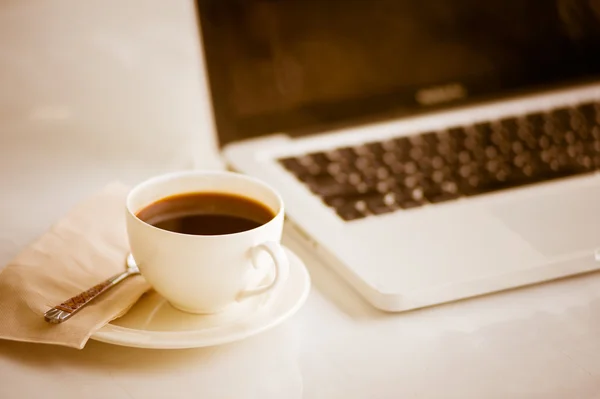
x: 320, y: 117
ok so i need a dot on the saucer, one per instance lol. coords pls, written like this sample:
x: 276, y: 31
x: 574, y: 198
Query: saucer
x: 153, y: 323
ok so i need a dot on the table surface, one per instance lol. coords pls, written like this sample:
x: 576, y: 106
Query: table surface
x: 93, y: 91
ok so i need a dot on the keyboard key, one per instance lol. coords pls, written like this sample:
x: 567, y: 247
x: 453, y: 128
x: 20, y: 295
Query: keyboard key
x: 456, y: 137
x: 371, y: 150
x: 435, y: 193
x: 536, y: 121
x: 509, y: 126
x: 402, y: 147
x: 378, y: 206
x: 405, y: 199
x: 483, y: 131
x: 561, y: 119
x: 590, y: 113
x: 295, y: 167
x: 327, y: 186
x: 346, y: 154
x: 321, y: 159
x: 349, y: 212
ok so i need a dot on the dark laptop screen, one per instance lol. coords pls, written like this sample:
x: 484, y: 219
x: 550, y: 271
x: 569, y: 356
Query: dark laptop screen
x: 303, y: 65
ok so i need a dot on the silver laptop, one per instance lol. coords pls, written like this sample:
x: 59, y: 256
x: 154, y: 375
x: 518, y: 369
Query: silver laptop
x: 426, y: 151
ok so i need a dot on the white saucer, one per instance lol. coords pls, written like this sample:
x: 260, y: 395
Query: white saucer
x: 153, y: 323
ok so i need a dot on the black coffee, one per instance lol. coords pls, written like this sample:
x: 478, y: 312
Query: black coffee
x: 206, y: 214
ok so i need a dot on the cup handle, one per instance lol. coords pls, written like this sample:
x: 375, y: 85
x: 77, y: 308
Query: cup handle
x: 282, y: 269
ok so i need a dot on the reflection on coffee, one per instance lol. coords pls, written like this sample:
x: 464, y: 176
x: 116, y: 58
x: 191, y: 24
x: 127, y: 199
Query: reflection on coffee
x: 206, y: 214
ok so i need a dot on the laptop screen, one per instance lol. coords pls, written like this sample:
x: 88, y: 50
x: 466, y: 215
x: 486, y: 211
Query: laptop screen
x: 299, y: 66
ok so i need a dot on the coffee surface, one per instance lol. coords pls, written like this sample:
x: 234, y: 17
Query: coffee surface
x: 206, y: 214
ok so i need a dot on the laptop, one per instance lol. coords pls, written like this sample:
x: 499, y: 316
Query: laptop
x: 426, y: 151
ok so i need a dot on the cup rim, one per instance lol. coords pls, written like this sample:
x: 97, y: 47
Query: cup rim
x: 172, y: 175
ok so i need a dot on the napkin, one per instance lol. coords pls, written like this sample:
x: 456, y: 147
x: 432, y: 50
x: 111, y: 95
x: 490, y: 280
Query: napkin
x: 83, y: 249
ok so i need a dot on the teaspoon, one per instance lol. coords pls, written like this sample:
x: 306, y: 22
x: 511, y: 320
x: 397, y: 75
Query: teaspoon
x: 65, y: 310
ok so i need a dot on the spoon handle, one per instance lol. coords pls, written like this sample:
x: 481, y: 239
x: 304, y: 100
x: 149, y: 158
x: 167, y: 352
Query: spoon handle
x: 68, y: 308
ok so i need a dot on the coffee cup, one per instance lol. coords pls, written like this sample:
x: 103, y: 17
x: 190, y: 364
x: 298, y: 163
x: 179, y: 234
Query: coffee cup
x: 207, y: 241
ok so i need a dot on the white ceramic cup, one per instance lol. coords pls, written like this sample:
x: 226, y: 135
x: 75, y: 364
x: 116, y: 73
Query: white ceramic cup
x: 207, y: 273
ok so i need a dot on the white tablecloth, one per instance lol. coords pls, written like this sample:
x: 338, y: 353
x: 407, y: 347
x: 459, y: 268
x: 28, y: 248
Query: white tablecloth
x: 92, y: 91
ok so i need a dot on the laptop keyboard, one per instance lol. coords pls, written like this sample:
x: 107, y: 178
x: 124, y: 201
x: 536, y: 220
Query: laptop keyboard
x: 406, y: 172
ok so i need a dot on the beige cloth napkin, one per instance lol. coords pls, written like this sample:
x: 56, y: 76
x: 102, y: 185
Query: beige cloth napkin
x: 79, y: 251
